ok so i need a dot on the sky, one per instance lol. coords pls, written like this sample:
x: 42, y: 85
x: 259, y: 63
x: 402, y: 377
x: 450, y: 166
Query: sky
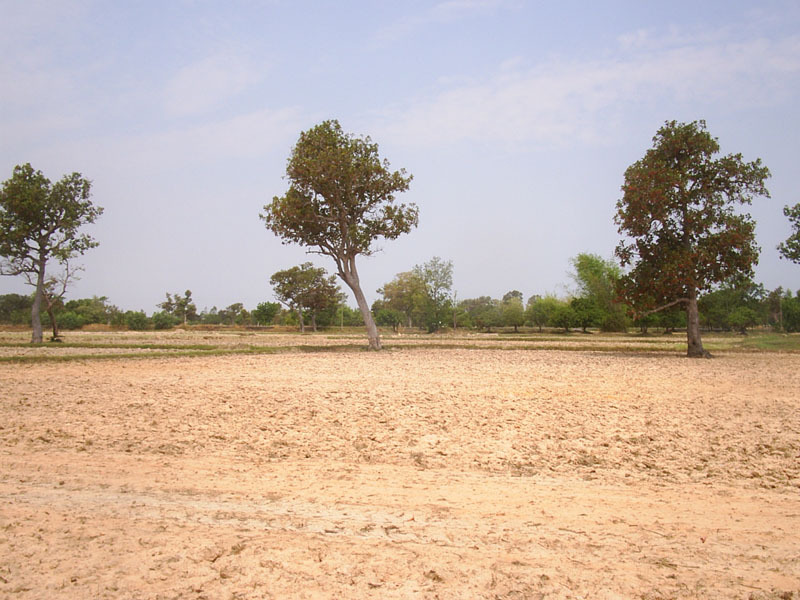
x: 516, y: 119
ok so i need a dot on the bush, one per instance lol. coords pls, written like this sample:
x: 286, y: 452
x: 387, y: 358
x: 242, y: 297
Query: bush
x: 70, y: 320
x: 137, y: 320
x: 164, y: 320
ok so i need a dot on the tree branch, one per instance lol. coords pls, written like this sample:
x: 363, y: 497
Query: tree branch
x: 640, y: 315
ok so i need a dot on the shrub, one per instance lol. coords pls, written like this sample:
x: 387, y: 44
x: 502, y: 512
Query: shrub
x: 137, y: 320
x: 164, y: 320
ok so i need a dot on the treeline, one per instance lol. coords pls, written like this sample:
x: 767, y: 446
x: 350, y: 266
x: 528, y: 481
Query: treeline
x: 15, y: 309
x: 423, y: 299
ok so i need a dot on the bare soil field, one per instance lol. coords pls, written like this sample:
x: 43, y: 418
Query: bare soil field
x: 417, y: 472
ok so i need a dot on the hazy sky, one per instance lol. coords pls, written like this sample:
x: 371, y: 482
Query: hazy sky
x: 517, y: 120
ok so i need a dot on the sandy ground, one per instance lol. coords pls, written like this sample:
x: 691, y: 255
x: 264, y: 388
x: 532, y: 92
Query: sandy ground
x: 410, y: 473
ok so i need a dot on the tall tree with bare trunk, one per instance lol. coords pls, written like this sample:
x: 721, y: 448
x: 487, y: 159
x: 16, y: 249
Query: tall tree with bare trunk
x: 40, y: 221
x: 341, y: 199
x: 683, y: 236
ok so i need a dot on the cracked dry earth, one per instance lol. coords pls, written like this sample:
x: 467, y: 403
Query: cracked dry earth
x: 412, y: 473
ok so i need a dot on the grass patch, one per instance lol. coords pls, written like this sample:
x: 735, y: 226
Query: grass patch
x: 171, y: 352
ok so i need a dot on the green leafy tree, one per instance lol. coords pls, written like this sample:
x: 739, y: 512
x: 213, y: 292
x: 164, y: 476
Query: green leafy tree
x: 540, y: 309
x: 341, y: 199
x: 180, y: 307
x: 437, y: 274
x: 790, y: 249
x: 306, y: 287
x: 164, y: 320
x: 137, y: 320
x: 790, y: 309
x: 266, y: 312
x: 15, y: 309
x: 40, y: 221
x: 596, y: 280
x: 564, y: 317
x: 512, y: 310
x: 682, y: 234
x: 407, y: 294
x: 587, y: 313
x: 483, y: 312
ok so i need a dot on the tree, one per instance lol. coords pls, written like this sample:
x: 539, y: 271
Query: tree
x: 306, y: 287
x: 40, y: 221
x: 407, y: 294
x: 513, y: 311
x: 540, y: 310
x: 564, y: 316
x: 677, y: 210
x: 437, y: 275
x: 483, y: 312
x: 596, y: 280
x: 53, y: 292
x: 266, y: 312
x: 15, y: 308
x: 341, y: 199
x: 181, y: 307
x: 790, y: 249
x: 586, y: 312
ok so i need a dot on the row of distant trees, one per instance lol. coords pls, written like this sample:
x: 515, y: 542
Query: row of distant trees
x: 15, y: 309
x: 423, y: 299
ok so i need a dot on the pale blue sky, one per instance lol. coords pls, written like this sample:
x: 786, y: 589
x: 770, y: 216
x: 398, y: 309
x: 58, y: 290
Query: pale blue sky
x: 517, y: 120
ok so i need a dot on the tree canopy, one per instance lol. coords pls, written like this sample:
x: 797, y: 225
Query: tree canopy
x: 790, y: 249
x: 340, y: 200
x: 682, y: 234
x: 306, y: 287
x: 40, y: 221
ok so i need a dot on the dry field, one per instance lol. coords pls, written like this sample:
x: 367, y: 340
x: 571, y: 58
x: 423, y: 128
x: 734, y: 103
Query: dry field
x: 482, y: 468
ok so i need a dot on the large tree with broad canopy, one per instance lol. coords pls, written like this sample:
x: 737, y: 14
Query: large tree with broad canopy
x: 683, y: 235
x: 341, y: 199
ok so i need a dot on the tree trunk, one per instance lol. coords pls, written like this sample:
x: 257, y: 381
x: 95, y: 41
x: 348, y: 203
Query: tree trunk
x: 53, y: 322
x: 350, y: 276
x: 314, y: 321
x: 695, y: 349
x: 300, y: 316
x: 36, y: 320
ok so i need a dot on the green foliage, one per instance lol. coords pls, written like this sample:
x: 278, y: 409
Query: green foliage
x: 743, y: 300
x: 683, y: 234
x: 389, y: 317
x: 512, y: 310
x: 790, y: 249
x: 437, y: 275
x: 677, y: 211
x: 71, y: 320
x: 93, y: 310
x: 341, y: 199
x: 180, y: 307
x: 265, y: 312
x: 540, y: 310
x: 306, y: 288
x: 407, y: 293
x: 15, y: 309
x: 597, y: 281
x: 164, y: 320
x: 137, y: 320
x: 483, y: 312
x: 564, y: 317
x: 586, y: 313
x: 40, y: 221
x: 790, y: 309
